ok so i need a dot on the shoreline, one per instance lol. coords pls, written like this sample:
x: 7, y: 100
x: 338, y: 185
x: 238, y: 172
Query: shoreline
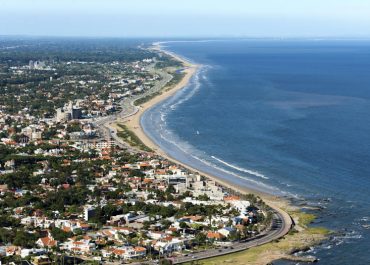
x: 289, y: 214
x: 134, y: 124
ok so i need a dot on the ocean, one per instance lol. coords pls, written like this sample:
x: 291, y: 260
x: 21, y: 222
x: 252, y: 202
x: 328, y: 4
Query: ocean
x: 287, y: 117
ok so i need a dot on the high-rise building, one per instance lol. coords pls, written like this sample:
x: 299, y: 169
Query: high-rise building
x: 31, y: 64
x: 76, y: 113
x: 89, y: 212
x: 62, y: 115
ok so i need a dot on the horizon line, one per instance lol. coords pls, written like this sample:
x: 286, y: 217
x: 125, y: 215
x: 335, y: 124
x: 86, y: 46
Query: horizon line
x: 225, y: 37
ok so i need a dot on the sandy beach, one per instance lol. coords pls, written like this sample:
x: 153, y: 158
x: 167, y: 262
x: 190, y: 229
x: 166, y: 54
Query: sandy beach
x: 134, y: 124
x: 262, y: 254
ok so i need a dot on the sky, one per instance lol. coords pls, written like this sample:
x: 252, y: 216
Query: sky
x: 186, y: 18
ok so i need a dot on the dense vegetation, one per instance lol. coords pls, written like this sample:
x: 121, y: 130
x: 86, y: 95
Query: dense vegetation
x: 70, y: 64
x: 15, y: 51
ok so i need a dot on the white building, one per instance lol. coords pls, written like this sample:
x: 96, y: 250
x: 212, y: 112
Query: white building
x: 240, y: 205
x: 89, y: 212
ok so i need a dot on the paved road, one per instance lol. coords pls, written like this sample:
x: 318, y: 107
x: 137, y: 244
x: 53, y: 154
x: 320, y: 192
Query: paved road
x: 129, y: 109
x: 280, y: 227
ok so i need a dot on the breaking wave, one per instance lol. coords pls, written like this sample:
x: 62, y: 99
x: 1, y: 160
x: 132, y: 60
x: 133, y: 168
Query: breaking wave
x: 251, y: 172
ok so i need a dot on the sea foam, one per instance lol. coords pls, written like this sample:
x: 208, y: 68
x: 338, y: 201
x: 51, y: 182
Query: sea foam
x: 251, y: 172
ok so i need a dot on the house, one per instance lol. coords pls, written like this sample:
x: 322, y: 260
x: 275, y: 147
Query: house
x: 47, y: 242
x: 3, y: 188
x: 119, y: 253
x: 79, y: 245
x: 231, y: 198
x: 226, y: 231
x: 170, y: 244
x: 124, y: 230
x: 31, y: 251
x: 215, y: 236
x: 12, y: 250
x: 125, y: 252
x: 191, y: 219
x: 240, y: 205
x: 134, y: 252
x: 9, y: 164
x: 117, y: 220
x: 156, y: 234
x: 41, y: 260
x: 83, y: 226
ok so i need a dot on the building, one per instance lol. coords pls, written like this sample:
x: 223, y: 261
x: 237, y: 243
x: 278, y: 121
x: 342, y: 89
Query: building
x: 226, y: 231
x: 68, y: 112
x: 62, y: 115
x: 89, y: 212
x: 47, y: 242
x: 240, y: 205
x: 31, y: 64
x: 41, y: 260
x: 176, y: 179
x: 76, y: 113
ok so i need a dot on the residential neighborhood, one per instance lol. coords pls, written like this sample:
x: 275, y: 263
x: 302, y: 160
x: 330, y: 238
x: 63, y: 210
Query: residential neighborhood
x: 69, y: 190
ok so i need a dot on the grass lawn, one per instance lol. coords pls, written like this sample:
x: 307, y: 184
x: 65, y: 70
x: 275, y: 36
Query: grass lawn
x: 130, y: 137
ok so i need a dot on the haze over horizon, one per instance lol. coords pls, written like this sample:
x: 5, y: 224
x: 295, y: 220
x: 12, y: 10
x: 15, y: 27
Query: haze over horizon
x: 165, y: 18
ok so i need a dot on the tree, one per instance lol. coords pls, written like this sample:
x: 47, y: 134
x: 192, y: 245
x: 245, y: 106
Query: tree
x: 234, y: 235
x: 60, y: 235
x: 136, y: 173
x: 24, y: 239
x: 183, y: 225
x: 201, y: 238
x: 165, y: 223
x: 146, y: 225
x: 203, y: 197
x: 7, y: 221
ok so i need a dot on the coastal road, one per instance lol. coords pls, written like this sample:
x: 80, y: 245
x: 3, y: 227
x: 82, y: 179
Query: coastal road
x: 280, y: 227
x: 128, y: 109
x: 281, y: 223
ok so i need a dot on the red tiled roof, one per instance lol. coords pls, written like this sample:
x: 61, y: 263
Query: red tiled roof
x: 139, y: 249
x: 231, y: 198
x: 48, y: 242
x: 118, y: 251
x: 214, y: 235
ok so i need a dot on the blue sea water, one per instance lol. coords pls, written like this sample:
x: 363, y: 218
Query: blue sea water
x: 287, y: 117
